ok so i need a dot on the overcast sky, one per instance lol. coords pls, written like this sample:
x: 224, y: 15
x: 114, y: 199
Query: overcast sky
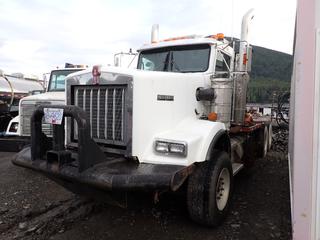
x: 38, y: 35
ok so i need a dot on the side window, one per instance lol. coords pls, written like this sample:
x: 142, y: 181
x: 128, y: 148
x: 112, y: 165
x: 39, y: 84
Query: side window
x: 147, y: 65
x: 222, y: 62
x: 60, y: 81
x: 57, y: 81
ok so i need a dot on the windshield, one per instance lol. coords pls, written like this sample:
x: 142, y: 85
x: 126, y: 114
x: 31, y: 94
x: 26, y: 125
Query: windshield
x: 191, y: 58
x: 57, y: 78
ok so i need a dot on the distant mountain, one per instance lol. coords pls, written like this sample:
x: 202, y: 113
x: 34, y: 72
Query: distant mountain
x: 270, y: 75
x: 271, y: 64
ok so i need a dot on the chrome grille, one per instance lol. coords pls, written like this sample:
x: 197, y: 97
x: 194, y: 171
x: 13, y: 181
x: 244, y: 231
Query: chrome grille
x: 105, y: 108
x: 25, y: 120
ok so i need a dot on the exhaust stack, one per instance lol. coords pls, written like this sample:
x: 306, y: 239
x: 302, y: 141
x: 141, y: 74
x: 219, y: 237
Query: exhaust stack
x: 244, y: 44
x: 241, y: 78
x: 155, y: 33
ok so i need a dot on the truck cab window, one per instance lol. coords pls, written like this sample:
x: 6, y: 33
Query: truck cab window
x: 190, y: 58
x: 57, y: 79
x: 153, y: 61
x: 222, y: 62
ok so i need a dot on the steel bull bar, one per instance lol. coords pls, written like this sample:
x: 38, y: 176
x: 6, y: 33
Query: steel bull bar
x: 87, y: 164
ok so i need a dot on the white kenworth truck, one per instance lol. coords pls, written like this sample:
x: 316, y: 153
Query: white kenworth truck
x: 178, y: 119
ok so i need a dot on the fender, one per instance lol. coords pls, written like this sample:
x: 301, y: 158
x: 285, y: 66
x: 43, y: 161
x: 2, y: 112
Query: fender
x: 200, y: 136
x: 221, y: 141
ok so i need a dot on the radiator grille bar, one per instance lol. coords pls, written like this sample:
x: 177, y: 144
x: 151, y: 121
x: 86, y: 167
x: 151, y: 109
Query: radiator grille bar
x: 25, y: 120
x: 105, y: 107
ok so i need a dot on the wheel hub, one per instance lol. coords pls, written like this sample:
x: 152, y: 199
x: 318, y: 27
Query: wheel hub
x: 223, y: 189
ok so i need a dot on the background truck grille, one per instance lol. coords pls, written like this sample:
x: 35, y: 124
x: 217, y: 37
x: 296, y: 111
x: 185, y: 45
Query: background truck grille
x: 105, y: 107
x: 25, y: 120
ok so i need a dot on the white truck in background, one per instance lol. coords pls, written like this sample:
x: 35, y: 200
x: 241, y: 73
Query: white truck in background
x: 125, y: 59
x: 55, y: 94
x: 179, y: 118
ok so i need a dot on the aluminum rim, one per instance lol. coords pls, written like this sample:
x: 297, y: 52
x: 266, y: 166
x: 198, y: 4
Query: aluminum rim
x: 223, y: 189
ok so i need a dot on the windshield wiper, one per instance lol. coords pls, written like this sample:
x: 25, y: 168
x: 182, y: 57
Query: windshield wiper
x: 166, y: 62
x: 174, y: 64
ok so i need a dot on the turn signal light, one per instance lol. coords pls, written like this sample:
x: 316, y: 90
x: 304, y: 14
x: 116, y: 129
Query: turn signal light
x: 245, y: 59
x: 212, y: 116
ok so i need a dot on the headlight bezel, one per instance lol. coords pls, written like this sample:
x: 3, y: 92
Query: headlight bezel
x: 171, y: 147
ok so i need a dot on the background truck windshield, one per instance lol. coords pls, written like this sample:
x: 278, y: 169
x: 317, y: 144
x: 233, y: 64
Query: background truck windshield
x: 190, y: 58
x: 57, y: 77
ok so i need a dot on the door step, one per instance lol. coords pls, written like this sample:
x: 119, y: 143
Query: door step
x: 236, y: 167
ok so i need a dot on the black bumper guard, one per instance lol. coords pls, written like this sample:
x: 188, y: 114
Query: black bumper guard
x: 88, y: 164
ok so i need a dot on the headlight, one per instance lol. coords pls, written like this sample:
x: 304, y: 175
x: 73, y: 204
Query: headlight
x: 13, y: 127
x: 171, y: 147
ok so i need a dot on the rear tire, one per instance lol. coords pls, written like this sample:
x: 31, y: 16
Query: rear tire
x: 263, y: 139
x: 270, y: 133
x: 210, y: 190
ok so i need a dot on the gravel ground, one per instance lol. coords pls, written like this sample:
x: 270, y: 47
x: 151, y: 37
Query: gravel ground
x: 34, y: 207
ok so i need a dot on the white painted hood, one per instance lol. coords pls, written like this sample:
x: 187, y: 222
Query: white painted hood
x: 48, y: 96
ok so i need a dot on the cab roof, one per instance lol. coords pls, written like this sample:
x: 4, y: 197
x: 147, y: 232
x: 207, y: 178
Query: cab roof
x: 185, y: 40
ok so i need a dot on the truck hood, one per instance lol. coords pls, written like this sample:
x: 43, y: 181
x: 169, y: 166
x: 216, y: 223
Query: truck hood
x: 161, y: 101
x: 48, y: 96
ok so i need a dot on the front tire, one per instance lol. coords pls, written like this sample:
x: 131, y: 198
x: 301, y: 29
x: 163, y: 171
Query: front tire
x: 210, y: 190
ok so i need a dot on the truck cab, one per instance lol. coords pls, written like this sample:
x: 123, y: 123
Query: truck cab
x: 179, y: 118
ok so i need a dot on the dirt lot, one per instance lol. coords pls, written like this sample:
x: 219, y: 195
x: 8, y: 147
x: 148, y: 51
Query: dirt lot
x: 33, y: 207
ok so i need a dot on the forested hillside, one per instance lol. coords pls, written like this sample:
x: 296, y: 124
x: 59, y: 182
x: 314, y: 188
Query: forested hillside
x: 271, y: 73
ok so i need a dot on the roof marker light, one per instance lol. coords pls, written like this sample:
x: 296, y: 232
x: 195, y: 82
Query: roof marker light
x: 180, y: 38
x: 218, y: 36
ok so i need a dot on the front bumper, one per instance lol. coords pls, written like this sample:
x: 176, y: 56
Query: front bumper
x: 88, y: 165
x: 118, y: 174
